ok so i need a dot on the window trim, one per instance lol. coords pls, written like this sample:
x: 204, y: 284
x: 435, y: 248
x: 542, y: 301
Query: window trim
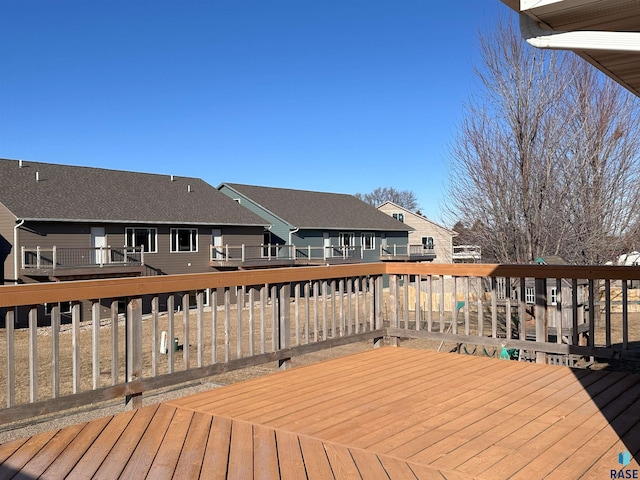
x: 352, y: 239
x: 63, y: 308
x: 373, y: 240
x: 553, y: 296
x: 427, y: 245
x: 530, y: 295
x: 152, y: 233
x: 174, y: 244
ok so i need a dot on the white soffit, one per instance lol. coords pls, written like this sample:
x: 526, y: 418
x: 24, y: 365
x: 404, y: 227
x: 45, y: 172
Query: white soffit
x: 606, y: 33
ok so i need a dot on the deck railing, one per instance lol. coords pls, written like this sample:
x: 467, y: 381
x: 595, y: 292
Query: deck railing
x: 467, y: 253
x: 56, y: 257
x: 125, y: 345
x: 405, y: 250
x: 329, y: 252
x: 246, y: 253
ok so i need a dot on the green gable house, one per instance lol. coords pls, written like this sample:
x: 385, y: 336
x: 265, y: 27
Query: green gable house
x: 319, y: 227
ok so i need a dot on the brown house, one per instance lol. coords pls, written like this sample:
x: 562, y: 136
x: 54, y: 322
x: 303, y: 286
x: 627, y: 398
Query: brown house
x: 61, y: 222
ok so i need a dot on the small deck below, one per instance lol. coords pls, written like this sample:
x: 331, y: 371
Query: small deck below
x: 385, y: 413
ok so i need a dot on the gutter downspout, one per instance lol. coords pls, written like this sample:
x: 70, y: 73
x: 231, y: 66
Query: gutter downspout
x: 291, y: 232
x: 577, y: 40
x: 19, y: 223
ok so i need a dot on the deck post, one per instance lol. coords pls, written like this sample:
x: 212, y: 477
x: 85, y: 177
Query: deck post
x: 393, y: 301
x: 541, y: 316
x: 9, y: 323
x: 284, y: 320
x: 134, y: 347
x: 375, y: 284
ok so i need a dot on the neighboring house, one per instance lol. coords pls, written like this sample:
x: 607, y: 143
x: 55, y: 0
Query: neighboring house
x: 436, y: 240
x: 319, y: 227
x: 61, y: 222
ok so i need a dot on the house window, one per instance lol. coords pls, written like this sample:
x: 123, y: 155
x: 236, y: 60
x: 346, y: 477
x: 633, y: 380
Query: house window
x: 428, y: 243
x: 553, y: 295
x: 368, y: 241
x: 65, y: 308
x: 399, y: 217
x: 142, y: 237
x: 184, y: 239
x: 530, y: 295
x: 347, y: 239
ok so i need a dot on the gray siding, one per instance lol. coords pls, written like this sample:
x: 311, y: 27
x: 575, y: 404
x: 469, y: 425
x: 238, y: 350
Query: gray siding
x: 314, y: 238
x: 249, y: 236
x: 7, y: 223
x: 279, y: 228
x: 47, y: 235
x: 163, y: 262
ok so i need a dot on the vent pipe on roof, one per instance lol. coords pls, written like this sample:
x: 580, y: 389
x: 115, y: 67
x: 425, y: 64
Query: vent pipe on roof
x: 37, y: 176
x: 172, y: 179
x: 20, y: 163
x: 189, y: 188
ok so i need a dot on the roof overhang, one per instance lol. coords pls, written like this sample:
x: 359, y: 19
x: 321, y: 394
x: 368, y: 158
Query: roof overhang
x: 604, y: 33
x: 142, y: 222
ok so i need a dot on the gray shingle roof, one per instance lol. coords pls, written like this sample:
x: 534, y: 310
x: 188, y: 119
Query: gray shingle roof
x: 310, y: 210
x: 70, y: 193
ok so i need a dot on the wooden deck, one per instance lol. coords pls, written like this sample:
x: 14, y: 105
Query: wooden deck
x: 385, y: 413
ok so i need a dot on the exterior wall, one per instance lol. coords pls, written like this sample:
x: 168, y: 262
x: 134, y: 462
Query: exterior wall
x: 315, y: 238
x: 7, y: 223
x: 442, y: 237
x: 279, y: 229
x: 162, y: 262
x: 47, y: 235
x: 249, y: 236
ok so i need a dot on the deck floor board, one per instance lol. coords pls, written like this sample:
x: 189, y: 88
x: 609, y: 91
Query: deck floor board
x: 384, y: 413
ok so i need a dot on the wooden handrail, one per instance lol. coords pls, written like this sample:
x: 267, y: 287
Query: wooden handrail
x: 31, y: 294
x: 595, y: 272
x: 40, y: 293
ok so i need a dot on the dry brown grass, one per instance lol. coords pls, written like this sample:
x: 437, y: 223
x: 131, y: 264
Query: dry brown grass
x: 226, y: 345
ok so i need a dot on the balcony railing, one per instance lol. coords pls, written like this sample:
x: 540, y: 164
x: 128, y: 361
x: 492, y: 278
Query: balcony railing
x: 329, y: 252
x: 271, y: 252
x: 246, y: 253
x: 406, y: 251
x: 467, y: 253
x: 55, y: 258
x: 228, y: 320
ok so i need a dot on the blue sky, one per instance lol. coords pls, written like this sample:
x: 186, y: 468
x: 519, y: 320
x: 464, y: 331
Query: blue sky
x: 333, y: 95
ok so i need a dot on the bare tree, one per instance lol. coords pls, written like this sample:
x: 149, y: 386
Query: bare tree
x: 522, y: 172
x: 602, y: 168
x: 404, y: 198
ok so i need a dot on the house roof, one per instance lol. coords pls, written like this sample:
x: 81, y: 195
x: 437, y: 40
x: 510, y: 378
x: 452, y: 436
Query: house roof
x: 417, y: 215
x: 318, y: 210
x: 71, y: 193
x: 551, y: 260
x: 617, y: 55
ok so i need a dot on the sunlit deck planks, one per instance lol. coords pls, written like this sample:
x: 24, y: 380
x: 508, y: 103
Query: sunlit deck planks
x: 390, y: 412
